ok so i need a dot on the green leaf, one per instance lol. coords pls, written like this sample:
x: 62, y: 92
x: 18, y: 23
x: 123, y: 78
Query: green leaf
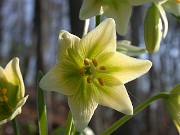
x: 41, y: 108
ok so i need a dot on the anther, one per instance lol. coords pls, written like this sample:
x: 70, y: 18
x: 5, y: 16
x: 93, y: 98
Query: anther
x: 94, y: 62
x: 3, y: 91
x: 89, y: 79
x: 82, y: 71
x: 101, y: 82
x: 86, y: 62
x: 5, y: 99
x: 102, y: 68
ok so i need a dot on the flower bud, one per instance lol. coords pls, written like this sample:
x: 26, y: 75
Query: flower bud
x: 11, y: 91
x: 152, y: 29
x: 173, y: 106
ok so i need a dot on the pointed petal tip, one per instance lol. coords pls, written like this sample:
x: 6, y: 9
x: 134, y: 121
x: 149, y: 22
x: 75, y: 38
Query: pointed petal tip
x: 110, y: 20
x: 149, y: 64
x: 128, y: 111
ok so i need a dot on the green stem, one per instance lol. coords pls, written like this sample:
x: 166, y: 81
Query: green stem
x: 98, y: 20
x: 69, y: 124
x: 139, y: 108
x: 15, y: 127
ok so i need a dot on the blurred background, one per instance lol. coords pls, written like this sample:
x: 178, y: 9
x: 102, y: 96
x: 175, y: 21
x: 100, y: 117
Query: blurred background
x: 29, y: 30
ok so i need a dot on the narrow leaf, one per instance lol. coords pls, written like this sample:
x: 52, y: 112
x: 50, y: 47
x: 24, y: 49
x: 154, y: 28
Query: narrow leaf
x: 41, y: 108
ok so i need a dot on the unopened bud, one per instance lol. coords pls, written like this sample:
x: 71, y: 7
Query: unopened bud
x: 152, y: 29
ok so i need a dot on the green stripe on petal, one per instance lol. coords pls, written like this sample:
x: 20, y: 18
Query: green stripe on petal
x: 14, y: 76
x: 82, y: 106
x: 115, y: 97
x: 100, y: 40
x: 109, y: 80
x: 120, y: 11
x: 66, y: 41
x: 141, y: 2
x: 90, y: 8
x: 63, y: 78
x: 16, y: 111
x: 126, y: 68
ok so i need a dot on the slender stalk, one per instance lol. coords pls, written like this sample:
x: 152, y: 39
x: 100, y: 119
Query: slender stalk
x: 15, y: 127
x: 139, y: 108
x: 86, y: 26
x: 69, y: 124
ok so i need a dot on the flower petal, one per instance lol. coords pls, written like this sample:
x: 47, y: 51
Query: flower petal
x: 123, y: 67
x: 100, y: 40
x: 15, y: 112
x: 121, y: 13
x: 3, y: 77
x: 172, y: 7
x: 82, y: 106
x: 141, y: 2
x: 66, y: 41
x: 115, y: 97
x: 64, y: 77
x: 14, y: 76
x: 90, y: 8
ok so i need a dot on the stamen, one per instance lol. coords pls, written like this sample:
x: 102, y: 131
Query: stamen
x: 86, y: 62
x: 82, y: 71
x: 94, y: 62
x: 3, y: 91
x: 5, y: 99
x: 89, y: 79
x: 100, y: 80
x: 102, y: 68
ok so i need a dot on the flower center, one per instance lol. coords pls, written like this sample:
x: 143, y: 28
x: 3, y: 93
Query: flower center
x: 90, y: 70
x: 4, y: 99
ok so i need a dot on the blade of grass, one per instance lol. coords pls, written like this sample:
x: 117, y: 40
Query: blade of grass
x: 41, y: 108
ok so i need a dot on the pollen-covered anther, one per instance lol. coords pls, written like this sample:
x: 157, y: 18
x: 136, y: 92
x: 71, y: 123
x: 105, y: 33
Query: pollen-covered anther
x: 101, y: 81
x: 102, y: 68
x: 94, y: 62
x: 3, y: 91
x: 5, y: 99
x: 82, y: 71
x: 89, y: 79
x: 86, y: 62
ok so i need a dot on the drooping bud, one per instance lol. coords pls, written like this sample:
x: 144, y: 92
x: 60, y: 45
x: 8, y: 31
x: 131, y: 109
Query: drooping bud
x: 152, y: 29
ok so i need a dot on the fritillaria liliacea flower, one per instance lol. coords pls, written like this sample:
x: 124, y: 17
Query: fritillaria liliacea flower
x: 120, y: 10
x: 90, y: 72
x: 11, y: 91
